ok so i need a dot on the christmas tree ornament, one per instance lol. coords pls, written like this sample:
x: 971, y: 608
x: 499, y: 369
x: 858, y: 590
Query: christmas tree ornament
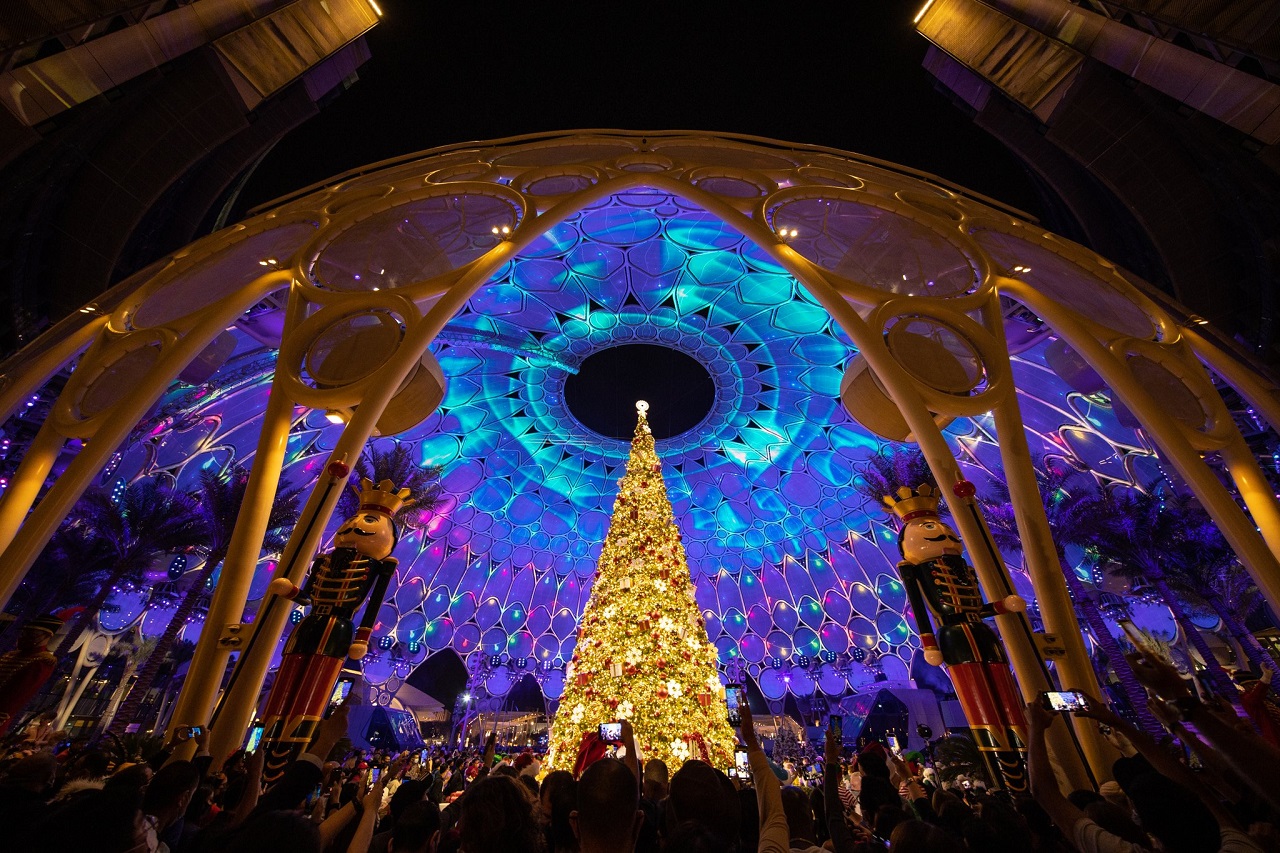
x: 943, y: 589
x: 644, y: 665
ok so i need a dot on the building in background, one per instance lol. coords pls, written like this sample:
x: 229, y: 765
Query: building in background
x: 126, y: 126
x: 1152, y: 124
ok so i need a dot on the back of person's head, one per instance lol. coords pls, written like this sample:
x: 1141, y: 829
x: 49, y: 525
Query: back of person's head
x: 33, y: 773
x: 608, y: 813
x: 953, y: 815
x: 560, y: 800
x: 171, y: 788
x: 275, y: 832
x: 553, y: 780
x: 92, y: 765
x: 999, y: 829
x: 657, y: 779
x: 416, y: 825
x: 132, y: 777
x: 799, y: 811
x: 1116, y: 821
x: 201, y: 803
x: 693, y: 836
x: 876, y: 792
x: 916, y: 836
x: 872, y: 763
x: 698, y: 793
x: 496, y: 816
x: 886, y: 820
x: 530, y: 783
x: 1174, y: 815
x: 101, y: 821
x: 410, y: 792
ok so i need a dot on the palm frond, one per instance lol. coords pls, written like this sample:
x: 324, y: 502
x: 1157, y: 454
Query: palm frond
x: 889, y: 469
x: 400, y: 467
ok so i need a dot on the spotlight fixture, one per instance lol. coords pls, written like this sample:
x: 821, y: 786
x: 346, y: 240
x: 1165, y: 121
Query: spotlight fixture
x: 338, y: 416
x: 501, y: 232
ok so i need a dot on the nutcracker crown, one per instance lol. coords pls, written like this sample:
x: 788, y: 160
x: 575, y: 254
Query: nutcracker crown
x: 384, y: 498
x: 907, y: 503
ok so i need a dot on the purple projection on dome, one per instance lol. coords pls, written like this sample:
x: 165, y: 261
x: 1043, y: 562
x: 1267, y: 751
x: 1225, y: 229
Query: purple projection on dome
x: 793, y: 571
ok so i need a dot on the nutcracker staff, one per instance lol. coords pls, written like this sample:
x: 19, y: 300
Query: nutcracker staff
x: 943, y: 590
x: 360, y: 566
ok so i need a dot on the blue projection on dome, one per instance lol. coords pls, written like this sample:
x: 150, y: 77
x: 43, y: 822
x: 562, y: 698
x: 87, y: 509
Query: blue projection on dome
x: 794, y: 572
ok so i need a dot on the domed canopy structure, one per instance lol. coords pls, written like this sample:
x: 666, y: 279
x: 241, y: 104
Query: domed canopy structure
x: 444, y: 300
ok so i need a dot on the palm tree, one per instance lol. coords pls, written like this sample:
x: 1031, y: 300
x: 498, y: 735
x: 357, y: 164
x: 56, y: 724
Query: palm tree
x: 1211, y: 575
x: 1071, y: 500
x: 890, y: 468
x: 1153, y: 535
x: 398, y: 466
x: 135, y: 651
x: 64, y: 572
x: 150, y: 518
x: 219, y: 498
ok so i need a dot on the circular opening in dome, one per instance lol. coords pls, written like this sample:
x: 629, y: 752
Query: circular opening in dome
x: 603, y: 393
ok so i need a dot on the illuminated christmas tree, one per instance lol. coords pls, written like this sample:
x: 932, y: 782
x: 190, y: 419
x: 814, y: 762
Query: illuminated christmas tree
x: 643, y: 653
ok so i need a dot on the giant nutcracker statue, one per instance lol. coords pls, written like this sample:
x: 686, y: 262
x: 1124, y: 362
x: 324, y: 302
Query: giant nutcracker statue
x: 24, y: 670
x: 360, y: 566
x: 943, y: 590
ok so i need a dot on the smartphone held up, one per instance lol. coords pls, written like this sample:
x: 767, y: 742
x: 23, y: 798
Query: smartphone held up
x: 1064, y: 701
x: 733, y: 698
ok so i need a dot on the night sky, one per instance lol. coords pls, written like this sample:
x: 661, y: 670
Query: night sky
x: 844, y: 75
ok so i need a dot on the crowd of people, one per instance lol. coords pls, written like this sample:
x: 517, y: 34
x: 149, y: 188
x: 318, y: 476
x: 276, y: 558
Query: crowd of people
x: 443, y: 800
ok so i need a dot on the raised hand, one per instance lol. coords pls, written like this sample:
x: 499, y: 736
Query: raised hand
x: 1159, y: 677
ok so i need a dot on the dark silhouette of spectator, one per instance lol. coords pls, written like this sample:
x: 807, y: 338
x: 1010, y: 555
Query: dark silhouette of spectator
x: 23, y: 792
x: 165, y: 802
x: 699, y: 794
x: 106, y: 821
x: 608, y: 817
x: 497, y: 816
x: 417, y: 829
x: 558, y: 798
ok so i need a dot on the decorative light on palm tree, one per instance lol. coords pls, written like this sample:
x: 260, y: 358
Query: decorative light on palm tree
x: 65, y: 572
x: 1071, y: 500
x: 398, y: 465
x: 219, y: 498
x: 1156, y: 535
x: 150, y: 518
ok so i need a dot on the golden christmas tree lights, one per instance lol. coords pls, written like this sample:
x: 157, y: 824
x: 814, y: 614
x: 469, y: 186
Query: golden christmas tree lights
x: 643, y: 653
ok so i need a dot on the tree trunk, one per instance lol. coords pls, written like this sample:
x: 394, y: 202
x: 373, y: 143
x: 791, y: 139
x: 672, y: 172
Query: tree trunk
x: 85, y: 618
x: 117, y: 698
x: 147, y: 671
x: 1130, y: 687
x: 1253, y: 650
x: 1216, y: 677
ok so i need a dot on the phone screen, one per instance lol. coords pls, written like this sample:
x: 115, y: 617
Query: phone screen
x: 255, y: 738
x: 1068, y: 701
x: 374, y: 774
x: 733, y: 699
x: 742, y: 764
x: 611, y: 732
x: 836, y: 723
